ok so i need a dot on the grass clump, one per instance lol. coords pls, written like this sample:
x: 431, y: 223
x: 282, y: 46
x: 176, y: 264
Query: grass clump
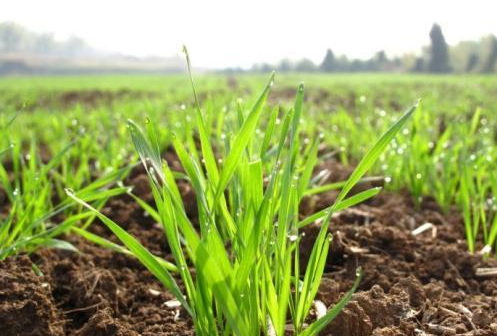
x: 35, y: 217
x: 240, y: 267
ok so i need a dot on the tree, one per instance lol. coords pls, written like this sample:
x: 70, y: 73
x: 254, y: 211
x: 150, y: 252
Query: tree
x: 472, y: 62
x: 419, y: 65
x: 45, y: 44
x: 379, y: 61
x: 439, y: 51
x: 489, y: 59
x: 285, y: 66
x: 328, y: 64
x: 76, y: 46
x: 12, y: 37
x: 305, y: 65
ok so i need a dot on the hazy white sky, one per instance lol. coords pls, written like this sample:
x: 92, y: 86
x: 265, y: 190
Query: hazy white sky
x: 230, y: 33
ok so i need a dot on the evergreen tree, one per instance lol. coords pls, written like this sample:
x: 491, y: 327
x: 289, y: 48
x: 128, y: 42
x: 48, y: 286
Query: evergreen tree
x: 439, y: 51
x: 379, y: 61
x: 328, y: 64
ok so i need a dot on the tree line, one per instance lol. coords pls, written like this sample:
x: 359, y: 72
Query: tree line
x: 16, y: 39
x: 478, y: 56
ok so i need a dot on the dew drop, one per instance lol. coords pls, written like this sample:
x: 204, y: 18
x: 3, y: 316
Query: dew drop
x: 301, y: 286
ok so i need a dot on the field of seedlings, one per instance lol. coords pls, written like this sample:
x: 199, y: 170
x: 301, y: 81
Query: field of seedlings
x: 206, y: 204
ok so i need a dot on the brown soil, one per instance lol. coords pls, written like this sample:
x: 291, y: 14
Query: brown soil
x: 412, y: 285
x: 87, y: 98
x: 318, y: 97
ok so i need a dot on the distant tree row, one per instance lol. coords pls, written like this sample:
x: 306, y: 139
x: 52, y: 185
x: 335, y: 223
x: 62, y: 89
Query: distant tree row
x: 468, y: 56
x: 331, y: 63
x: 17, y: 39
x: 465, y: 57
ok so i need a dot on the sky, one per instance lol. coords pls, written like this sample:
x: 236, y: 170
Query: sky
x: 225, y: 33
